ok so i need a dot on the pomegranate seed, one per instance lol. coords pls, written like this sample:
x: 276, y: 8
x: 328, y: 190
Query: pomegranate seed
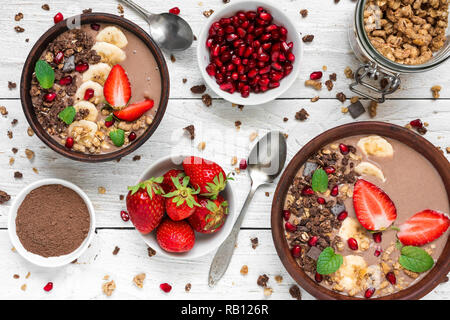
x: 290, y: 227
x: 390, y: 276
x: 265, y: 16
x: 318, y: 277
x: 132, y: 136
x: 58, y: 57
x: 316, y: 75
x: 49, y: 97
x: 296, y: 251
x: 95, y: 26
x: 81, y: 67
x: 377, y: 237
x: 321, y: 200
x: 369, y: 293
x: 377, y: 253
x: 286, y: 215
x: 335, y: 191
x: 175, y: 10
x: 243, y: 164
x: 416, y: 123
x: 341, y: 216
x: 58, y: 17
x: 291, y: 57
x: 307, y: 191
x: 344, y: 149
x: 69, y: 143
x: 48, y: 287
x: 330, y: 170
x: 211, y: 69
x: 352, y: 243
x: 313, y: 241
x: 65, y: 81
x: 88, y: 94
x: 165, y: 287
x: 124, y: 215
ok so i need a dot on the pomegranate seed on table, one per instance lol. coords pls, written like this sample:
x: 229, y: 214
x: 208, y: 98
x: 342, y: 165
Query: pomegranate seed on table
x: 369, y: 293
x: 341, y: 216
x: 88, y: 94
x: 286, y: 215
x: 58, y: 57
x: 416, y: 123
x: 377, y: 237
x: 335, y: 191
x: 352, y: 243
x: 175, y: 10
x: 318, y: 277
x: 95, y: 26
x: 290, y: 227
x: 124, y: 215
x: 132, y: 136
x: 313, y: 241
x: 165, y: 287
x: 243, y: 164
x: 81, y: 67
x: 49, y: 97
x: 69, y: 143
x: 58, y: 17
x: 296, y: 251
x: 316, y: 75
x: 390, y: 276
x: 48, y: 287
x: 65, y: 81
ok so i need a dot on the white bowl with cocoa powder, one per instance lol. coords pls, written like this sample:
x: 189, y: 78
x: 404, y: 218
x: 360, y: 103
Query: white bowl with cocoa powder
x: 51, y: 222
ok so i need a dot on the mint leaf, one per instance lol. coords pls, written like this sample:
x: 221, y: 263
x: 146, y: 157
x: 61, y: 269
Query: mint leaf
x: 45, y: 74
x: 328, y: 261
x: 319, y: 182
x: 118, y: 137
x: 67, y: 115
x: 415, y: 259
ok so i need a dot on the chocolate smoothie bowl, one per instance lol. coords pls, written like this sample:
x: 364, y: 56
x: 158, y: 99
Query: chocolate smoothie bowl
x: 96, y: 92
x: 363, y: 212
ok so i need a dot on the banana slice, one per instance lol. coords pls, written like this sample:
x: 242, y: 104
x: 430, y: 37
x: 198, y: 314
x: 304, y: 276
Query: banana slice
x: 84, y: 129
x: 110, y: 53
x: 349, y: 274
x: 86, y: 105
x: 375, y: 146
x: 98, y: 92
x: 114, y: 36
x: 98, y: 72
x: 370, y: 169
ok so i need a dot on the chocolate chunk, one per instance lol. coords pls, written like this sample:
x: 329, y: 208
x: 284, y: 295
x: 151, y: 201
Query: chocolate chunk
x: 295, y: 292
x: 255, y: 242
x: 304, y: 13
x: 341, y: 97
x: 19, y: 29
x: 198, y: 89
x: 314, y: 253
x: 337, y: 208
x: 187, y: 287
x: 11, y: 85
x: 310, y: 167
x: 301, y: 115
x: 121, y: 197
x: 262, y: 280
x: 136, y: 158
x: 356, y: 109
x: 4, y: 197
x: 191, y: 130
x: 116, y: 250
x: 329, y: 85
x: 308, y: 38
x: 207, y: 100
x: 333, y: 77
x: 45, y: 7
x: 69, y: 64
x: 14, y: 150
x: 151, y: 252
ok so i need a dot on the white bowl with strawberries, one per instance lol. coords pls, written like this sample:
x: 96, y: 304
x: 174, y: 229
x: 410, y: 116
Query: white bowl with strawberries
x: 183, y: 206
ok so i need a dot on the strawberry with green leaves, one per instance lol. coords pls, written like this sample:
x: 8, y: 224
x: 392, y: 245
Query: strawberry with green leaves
x: 175, y: 236
x: 181, y: 203
x: 167, y: 183
x: 145, y: 204
x: 205, y: 174
x: 211, y: 216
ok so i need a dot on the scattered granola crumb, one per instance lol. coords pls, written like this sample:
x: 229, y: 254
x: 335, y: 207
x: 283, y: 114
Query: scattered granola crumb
x: 18, y: 175
x: 285, y: 119
x: 86, y: 11
x: 435, y: 90
x: 151, y: 252
x: 9, y: 134
x: 233, y: 160
x: 106, y: 277
x: 329, y: 84
x: 253, y: 136
x: 255, y: 242
x: 349, y: 73
x: 13, y: 249
x: 244, y: 270
x: 14, y: 122
x: 4, y: 197
x: 344, y: 109
x: 29, y: 154
x: 238, y: 124
x: 267, y: 194
x: 324, y: 68
x: 373, y: 109
x: 333, y: 76
x: 23, y: 287
x: 28, y: 275
x: 11, y: 161
x: 109, y: 287
x: 308, y: 38
x: 172, y: 58
x: 262, y: 280
x: 30, y: 132
x: 184, y: 80
x: 341, y: 97
x: 121, y: 197
x: 354, y: 99
x: 120, y: 9
x: 101, y: 190
x: 136, y: 158
x: 268, y: 292
x: 315, y: 99
x: 16, y: 276
x: 19, y: 29
x: 304, y: 13
x: 187, y: 287
x: 447, y: 149
x: 116, y: 250
x: 199, y: 89
x: 301, y: 115
x: 45, y: 7
x: 279, y: 279
x: 14, y: 150
x: 201, y: 146
x: 18, y: 16
x: 314, y: 84
x: 3, y: 110
x: 208, y: 13
x: 191, y: 130
x: 207, y: 100
x: 295, y: 292
x: 139, y: 280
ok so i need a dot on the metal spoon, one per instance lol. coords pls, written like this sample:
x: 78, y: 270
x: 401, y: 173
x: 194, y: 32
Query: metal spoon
x: 265, y: 163
x: 171, y: 32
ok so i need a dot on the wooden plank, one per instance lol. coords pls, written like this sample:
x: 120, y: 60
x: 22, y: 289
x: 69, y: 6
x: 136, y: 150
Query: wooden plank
x: 215, y: 126
x: 83, y: 280
x: 330, y: 46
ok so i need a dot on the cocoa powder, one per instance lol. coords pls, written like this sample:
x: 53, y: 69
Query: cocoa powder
x: 52, y: 220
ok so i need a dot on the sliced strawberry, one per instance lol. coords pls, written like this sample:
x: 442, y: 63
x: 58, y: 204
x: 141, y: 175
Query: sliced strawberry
x: 134, y: 111
x: 374, y: 209
x: 117, y: 89
x: 423, y: 227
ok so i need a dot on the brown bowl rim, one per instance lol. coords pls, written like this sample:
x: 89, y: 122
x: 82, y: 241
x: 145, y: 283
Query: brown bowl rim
x: 39, y: 47
x: 428, y: 150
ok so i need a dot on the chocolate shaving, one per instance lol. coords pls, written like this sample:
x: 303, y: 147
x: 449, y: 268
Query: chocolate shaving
x: 191, y: 130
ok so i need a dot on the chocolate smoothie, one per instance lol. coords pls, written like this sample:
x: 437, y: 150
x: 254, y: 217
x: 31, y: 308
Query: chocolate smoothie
x: 320, y: 220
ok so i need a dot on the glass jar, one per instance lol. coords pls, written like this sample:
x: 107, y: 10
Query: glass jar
x: 374, y: 65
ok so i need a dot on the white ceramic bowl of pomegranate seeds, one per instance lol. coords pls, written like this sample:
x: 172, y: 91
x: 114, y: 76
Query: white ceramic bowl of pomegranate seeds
x: 249, y: 52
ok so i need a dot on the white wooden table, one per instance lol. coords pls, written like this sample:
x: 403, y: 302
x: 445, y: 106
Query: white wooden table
x: 215, y: 126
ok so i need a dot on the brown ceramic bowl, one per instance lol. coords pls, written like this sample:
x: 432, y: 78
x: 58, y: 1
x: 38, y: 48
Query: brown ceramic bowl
x: 41, y: 45
x: 415, y: 141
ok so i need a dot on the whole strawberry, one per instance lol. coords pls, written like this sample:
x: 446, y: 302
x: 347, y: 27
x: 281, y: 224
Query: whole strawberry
x: 205, y: 174
x: 145, y: 205
x: 167, y: 183
x: 175, y: 236
x: 181, y: 203
x: 211, y: 216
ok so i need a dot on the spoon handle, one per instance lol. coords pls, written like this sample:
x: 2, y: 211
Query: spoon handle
x: 223, y: 255
x: 138, y: 8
